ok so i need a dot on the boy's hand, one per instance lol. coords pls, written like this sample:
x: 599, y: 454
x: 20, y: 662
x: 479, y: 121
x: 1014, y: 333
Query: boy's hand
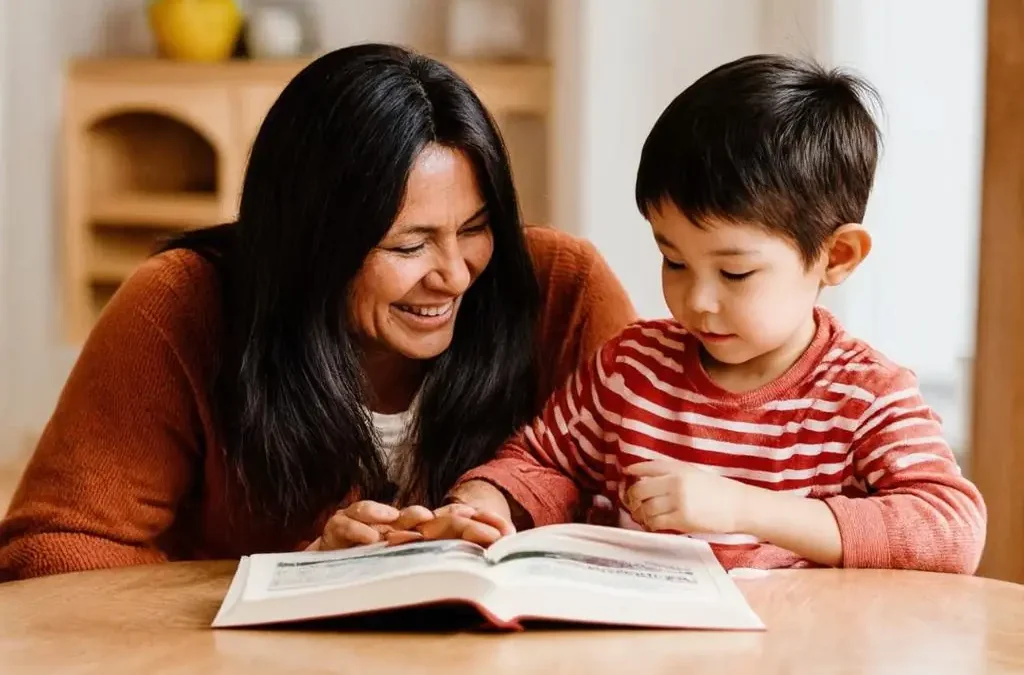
x: 478, y: 513
x: 679, y: 497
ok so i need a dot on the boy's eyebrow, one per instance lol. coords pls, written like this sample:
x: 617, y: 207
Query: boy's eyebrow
x: 718, y: 253
x: 663, y: 241
x: 725, y: 252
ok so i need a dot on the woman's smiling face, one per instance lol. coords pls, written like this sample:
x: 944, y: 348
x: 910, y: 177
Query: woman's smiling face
x: 406, y: 296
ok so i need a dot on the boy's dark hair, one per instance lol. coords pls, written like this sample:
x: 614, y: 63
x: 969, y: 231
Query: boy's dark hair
x: 766, y: 139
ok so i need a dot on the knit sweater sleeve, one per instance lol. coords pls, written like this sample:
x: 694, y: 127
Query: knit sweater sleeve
x: 566, y: 444
x: 920, y: 512
x: 119, y: 451
x: 584, y: 306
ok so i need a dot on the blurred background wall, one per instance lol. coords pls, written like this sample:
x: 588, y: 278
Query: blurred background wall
x: 616, y: 65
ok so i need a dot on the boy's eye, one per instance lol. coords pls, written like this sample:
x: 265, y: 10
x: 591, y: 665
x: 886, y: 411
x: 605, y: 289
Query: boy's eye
x: 672, y: 265
x: 734, y: 276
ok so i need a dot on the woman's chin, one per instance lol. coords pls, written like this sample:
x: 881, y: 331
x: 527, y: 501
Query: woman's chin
x: 423, y: 348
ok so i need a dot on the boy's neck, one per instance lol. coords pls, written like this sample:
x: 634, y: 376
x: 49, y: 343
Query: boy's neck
x: 762, y: 370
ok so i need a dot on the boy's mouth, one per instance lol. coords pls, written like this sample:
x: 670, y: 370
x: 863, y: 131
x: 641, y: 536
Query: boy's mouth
x: 706, y: 336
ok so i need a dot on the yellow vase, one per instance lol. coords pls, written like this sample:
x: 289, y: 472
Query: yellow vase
x: 195, y: 30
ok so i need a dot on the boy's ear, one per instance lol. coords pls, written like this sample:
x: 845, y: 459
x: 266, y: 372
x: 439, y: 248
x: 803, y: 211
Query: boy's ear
x: 847, y: 248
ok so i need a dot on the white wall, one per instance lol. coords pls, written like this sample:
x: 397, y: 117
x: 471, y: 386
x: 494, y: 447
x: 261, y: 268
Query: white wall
x: 622, y: 62
x: 915, y: 298
x: 30, y: 92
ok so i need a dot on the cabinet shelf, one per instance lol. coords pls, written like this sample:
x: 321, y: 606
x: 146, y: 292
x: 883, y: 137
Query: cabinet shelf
x: 114, y: 254
x: 182, y: 210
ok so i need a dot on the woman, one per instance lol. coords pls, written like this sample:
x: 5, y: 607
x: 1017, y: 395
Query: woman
x: 375, y: 323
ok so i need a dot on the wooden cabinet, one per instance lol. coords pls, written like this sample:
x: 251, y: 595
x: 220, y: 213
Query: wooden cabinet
x: 152, y: 147
x: 997, y: 446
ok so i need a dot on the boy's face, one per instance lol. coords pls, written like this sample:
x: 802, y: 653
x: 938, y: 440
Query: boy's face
x: 745, y: 293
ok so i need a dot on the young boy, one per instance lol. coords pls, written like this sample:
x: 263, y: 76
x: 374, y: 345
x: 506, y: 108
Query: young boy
x: 751, y: 418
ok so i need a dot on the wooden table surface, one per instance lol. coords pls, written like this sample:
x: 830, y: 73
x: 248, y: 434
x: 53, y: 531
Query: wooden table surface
x: 155, y: 620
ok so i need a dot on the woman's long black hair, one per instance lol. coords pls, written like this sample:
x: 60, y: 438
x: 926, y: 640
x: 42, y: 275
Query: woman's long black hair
x: 324, y: 183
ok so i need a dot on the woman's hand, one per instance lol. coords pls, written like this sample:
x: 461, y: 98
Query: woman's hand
x: 368, y: 522
x: 458, y: 521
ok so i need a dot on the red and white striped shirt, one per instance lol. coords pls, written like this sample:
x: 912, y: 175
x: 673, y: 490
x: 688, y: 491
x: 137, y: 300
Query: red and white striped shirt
x: 843, y: 424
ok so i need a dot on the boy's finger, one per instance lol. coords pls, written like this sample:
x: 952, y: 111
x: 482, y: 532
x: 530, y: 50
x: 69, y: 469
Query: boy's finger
x: 646, y: 488
x: 480, y: 533
x: 653, y: 467
x: 657, y: 506
x: 443, y: 527
x: 490, y: 519
x: 455, y: 509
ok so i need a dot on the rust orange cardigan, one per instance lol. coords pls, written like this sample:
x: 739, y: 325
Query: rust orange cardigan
x: 129, y: 469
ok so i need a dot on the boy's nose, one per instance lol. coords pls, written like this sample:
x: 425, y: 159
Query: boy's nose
x: 702, y: 300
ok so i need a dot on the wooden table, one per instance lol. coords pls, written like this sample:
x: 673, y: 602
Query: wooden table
x: 155, y: 620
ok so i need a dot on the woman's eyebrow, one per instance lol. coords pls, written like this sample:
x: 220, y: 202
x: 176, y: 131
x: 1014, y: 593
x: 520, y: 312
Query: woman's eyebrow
x: 430, y: 229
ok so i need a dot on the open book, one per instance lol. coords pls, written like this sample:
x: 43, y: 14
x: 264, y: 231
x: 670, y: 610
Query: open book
x: 567, y: 573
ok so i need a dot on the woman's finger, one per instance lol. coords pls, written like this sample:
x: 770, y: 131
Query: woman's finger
x: 411, y: 516
x: 399, y: 537
x: 344, y: 532
x: 372, y: 512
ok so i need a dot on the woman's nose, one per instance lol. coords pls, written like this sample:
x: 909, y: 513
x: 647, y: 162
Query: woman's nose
x: 452, y: 274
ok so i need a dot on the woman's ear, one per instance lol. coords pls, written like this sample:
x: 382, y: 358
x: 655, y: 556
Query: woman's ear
x: 847, y: 248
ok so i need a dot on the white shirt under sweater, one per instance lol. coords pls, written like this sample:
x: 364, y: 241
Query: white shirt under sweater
x: 396, y: 445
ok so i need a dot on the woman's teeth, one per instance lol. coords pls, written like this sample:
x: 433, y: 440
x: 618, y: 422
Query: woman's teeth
x: 426, y: 311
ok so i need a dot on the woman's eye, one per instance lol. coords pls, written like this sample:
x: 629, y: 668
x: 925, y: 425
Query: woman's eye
x: 407, y: 250
x: 736, y: 276
x: 672, y: 265
x: 476, y: 229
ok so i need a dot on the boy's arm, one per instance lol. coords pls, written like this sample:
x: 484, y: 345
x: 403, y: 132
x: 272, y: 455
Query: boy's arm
x: 920, y: 513
x: 543, y: 468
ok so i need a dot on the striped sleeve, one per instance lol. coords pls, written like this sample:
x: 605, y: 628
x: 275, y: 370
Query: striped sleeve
x: 919, y: 512
x: 562, y: 451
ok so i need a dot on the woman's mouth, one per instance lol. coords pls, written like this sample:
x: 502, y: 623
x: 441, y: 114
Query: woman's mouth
x: 427, y: 316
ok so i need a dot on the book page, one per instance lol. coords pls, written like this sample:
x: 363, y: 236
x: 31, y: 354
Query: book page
x: 273, y: 588
x: 291, y: 573
x: 613, y: 559
x: 609, y: 575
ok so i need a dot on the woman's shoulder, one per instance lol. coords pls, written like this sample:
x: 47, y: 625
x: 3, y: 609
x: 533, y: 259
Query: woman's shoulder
x: 550, y: 248
x: 177, y: 293
x: 571, y: 268
x: 583, y: 303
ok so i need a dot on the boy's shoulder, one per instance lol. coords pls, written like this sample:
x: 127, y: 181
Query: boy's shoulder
x: 853, y: 361
x: 664, y: 337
